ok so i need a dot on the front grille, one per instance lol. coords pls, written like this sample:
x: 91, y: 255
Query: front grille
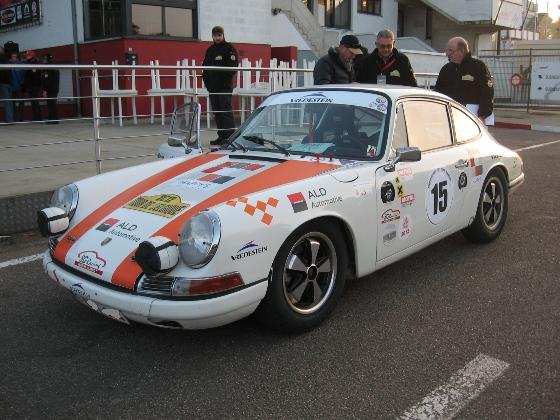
x: 155, y: 285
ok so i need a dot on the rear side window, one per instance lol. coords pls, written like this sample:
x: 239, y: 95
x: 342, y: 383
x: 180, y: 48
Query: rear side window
x: 465, y: 127
x: 427, y: 125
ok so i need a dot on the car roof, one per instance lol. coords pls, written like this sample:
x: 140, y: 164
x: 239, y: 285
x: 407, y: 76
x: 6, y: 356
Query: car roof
x: 393, y: 91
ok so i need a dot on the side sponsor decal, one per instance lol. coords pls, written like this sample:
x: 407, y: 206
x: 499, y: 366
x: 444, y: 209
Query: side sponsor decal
x: 91, y: 261
x: 322, y: 203
x: 248, y: 250
x: 439, y: 196
x: 261, y: 206
x: 297, y: 200
x: 387, y: 192
x: 164, y: 205
x: 400, y: 187
x: 408, y: 200
x: 405, y: 227
x: 390, y: 215
x: 474, y: 162
x: 389, y: 234
x: 462, y: 180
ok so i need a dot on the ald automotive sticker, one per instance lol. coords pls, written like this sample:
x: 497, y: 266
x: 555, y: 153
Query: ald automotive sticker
x: 439, y: 196
x: 122, y: 230
x: 164, y: 205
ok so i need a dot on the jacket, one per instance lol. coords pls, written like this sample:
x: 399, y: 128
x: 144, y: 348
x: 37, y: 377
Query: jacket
x: 222, y: 54
x: 397, y: 70
x: 50, y: 81
x: 468, y: 83
x: 5, y: 75
x: 33, y: 80
x: 330, y: 69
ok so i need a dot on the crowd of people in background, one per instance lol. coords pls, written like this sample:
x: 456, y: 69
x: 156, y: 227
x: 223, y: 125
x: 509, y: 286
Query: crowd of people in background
x: 465, y: 78
x: 18, y: 85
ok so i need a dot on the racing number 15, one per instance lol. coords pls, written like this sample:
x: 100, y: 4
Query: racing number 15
x: 440, y: 196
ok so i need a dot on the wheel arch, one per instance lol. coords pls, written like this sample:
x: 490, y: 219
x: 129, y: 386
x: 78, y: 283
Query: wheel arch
x: 348, y: 237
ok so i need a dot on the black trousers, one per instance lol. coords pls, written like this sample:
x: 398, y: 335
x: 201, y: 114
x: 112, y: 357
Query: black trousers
x: 51, y: 106
x: 223, y: 114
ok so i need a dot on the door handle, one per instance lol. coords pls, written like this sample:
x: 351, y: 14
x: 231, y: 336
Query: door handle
x: 462, y: 163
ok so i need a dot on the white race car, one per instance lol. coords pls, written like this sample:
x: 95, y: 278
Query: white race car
x: 317, y: 186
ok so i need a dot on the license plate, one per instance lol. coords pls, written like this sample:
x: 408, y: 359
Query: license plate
x: 103, y: 310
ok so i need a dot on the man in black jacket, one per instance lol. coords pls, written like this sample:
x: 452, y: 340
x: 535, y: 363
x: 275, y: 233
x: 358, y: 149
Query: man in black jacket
x: 338, y: 65
x: 219, y: 83
x: 33, y: 85
x: 50, y: 83
x: 6, y: 89
x: 466, y: 79
x: 385, y: 64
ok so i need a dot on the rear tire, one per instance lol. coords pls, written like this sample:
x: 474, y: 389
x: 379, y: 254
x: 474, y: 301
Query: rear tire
x: 492, y: 209
x: 307, y: 279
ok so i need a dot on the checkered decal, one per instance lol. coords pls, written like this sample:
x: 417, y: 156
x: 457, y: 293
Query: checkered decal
x: 252, y: 209
x: 472, y: 162
x: 233, y: 165
x: 213, y: 174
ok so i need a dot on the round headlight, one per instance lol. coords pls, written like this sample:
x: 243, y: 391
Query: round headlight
x: 199, y: 239
x: 66, y: 198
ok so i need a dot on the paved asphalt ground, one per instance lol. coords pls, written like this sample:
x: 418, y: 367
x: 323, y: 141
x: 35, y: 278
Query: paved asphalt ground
x: 395, y: 337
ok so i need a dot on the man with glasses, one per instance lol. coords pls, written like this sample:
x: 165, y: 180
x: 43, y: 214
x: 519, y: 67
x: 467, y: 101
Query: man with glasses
x: 467, y: 80
x: 385, y: 65
x: 337, y: 66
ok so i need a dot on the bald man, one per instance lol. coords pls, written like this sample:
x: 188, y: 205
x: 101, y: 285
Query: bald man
x: 466, y: 79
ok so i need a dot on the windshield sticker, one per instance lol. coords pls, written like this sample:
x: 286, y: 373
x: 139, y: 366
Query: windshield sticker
x: 341, y: 97
x: 164, y: 205
x: 310, y: 147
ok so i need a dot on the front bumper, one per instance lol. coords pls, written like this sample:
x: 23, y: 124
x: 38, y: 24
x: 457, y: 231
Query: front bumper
x: 191, y: 314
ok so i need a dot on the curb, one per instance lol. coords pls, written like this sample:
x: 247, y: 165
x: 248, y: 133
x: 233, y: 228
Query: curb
x: 533, y: 127
x: 19, y: 213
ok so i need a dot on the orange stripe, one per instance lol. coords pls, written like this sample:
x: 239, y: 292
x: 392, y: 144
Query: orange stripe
x: 114, y: 203
x: 128, y: 271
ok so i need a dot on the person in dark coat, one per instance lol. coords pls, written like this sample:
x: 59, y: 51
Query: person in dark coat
x: 34, y: 85
x: 220, y: 83
x: 385, y: 64
x: 18, y: 81
x: 337, y: 66
x: 6, y: 89
x: 466, y: 79
x: 50, y: 83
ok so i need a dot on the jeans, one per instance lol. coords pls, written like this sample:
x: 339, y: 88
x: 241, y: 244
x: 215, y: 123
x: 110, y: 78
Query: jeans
x: 6, y: 93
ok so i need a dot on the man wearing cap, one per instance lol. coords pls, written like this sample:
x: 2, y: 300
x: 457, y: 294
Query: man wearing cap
x: 337, y: 66
x: 220, y: 83
x: 385, y: 65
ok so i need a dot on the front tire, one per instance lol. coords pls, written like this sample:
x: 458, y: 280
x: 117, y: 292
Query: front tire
x: 307, y: 279
x: 492, y: 209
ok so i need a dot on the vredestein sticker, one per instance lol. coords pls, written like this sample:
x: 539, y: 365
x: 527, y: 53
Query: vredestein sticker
x: 439, y: 196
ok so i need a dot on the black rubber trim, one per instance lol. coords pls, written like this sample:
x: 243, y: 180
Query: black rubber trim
x: 266, y: 158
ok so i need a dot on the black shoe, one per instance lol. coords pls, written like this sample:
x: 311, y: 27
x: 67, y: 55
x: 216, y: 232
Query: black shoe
x: 217, y: 142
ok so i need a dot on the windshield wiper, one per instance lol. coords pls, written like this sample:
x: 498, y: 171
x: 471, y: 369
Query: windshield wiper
x: 261, y: 141
x: 236, y: 145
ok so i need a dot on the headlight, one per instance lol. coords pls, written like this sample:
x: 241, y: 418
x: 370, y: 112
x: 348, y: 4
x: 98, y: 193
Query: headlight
x: 199, y: 239
x: 66, y: 198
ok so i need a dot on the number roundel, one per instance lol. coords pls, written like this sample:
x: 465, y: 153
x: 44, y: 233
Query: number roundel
x: 439, y: 196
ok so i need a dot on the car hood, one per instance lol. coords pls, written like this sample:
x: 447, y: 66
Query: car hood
x: 103, y: 243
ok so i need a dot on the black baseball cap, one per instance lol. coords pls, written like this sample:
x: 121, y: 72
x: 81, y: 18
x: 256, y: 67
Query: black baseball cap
x: 352, y: 43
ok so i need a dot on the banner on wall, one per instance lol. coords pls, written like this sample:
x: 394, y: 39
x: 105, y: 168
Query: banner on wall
x: 17, y: 14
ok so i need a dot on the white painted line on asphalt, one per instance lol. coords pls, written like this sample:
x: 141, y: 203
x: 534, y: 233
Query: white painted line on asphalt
x: 21, y: 260
x: 463, y: 386
x: 536, y: 146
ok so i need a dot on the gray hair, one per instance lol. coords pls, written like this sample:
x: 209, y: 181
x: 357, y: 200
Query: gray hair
x: 386, y: 33
x: 462, y: 44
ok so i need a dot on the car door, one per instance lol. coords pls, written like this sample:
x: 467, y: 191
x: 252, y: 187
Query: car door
x: 419, y: 200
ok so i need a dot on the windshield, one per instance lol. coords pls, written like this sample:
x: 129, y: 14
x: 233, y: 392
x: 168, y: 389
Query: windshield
x: 341, y: 124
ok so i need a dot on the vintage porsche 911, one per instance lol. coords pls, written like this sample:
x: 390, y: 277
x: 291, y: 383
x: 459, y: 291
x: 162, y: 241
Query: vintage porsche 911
x: 317, y: 186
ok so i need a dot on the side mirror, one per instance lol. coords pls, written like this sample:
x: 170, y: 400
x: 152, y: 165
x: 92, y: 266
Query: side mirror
x: 404, y: 154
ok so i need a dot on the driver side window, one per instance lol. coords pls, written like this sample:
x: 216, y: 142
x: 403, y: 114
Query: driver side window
x: 400, y: 136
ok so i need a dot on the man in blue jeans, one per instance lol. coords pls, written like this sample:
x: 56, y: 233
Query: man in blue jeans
x: 6, y: 89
